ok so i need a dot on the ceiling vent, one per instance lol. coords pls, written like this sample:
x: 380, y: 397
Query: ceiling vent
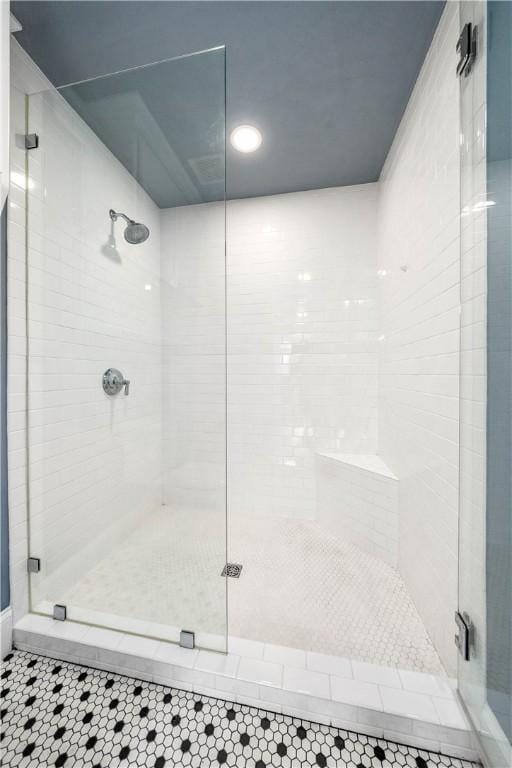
x: 208, y: 169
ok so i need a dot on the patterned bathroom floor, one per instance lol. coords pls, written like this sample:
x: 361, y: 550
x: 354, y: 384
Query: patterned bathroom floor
x: 59, y: 714
x: 299, y: 587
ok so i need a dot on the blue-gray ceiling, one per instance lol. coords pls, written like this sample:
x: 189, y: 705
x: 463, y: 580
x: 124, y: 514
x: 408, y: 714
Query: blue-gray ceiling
x: 326, y: 82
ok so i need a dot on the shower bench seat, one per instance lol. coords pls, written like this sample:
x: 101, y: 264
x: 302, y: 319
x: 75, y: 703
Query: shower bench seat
x: 357, y: 501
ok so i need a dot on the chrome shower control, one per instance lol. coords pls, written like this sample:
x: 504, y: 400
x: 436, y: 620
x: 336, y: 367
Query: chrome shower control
x: 114, y: 381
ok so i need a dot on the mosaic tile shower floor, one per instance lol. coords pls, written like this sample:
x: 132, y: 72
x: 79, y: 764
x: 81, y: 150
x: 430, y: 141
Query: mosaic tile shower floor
x: 300, y: 587
x: 60, y: 714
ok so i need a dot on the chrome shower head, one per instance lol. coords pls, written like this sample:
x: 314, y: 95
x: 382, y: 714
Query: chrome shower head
x: 134, y: 232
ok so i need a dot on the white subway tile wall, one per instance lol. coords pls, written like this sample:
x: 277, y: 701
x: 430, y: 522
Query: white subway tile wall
x: 419, y: 333
x: 301, y: 336
x: 194, y: 358
x: 94, y: 468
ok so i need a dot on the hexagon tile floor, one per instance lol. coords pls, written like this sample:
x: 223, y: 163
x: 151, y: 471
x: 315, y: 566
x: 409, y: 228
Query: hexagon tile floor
x: 59, y: 714
x: 300, y: 587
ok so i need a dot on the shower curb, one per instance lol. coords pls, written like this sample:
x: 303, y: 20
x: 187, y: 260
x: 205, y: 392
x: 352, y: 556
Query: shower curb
x: 218, y: 675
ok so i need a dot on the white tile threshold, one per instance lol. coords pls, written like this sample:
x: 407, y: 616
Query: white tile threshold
x: 410, y: 707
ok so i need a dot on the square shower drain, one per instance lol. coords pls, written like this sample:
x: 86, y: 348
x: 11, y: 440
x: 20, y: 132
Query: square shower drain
x: 232, y: 569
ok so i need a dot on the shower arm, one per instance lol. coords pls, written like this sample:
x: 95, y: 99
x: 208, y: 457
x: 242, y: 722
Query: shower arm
x: 114, y: 216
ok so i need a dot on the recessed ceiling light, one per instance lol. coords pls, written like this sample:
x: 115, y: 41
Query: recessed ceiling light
x: 246, y: 138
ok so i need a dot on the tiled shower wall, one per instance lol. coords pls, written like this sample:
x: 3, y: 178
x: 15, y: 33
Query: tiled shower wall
x: 194, y: 357
x: 301, y: 336
x: 94, y: 461
x: 419, y: 264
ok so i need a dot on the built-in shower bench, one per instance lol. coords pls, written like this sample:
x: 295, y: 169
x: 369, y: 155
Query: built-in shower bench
x: 357, y: 501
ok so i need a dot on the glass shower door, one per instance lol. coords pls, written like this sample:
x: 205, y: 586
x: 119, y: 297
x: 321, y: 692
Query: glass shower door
x: 485, y: 532
x: 126, y: 350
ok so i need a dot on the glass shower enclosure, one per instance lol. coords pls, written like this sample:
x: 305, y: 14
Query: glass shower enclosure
x: 485, y: 511
x: 127, y: 351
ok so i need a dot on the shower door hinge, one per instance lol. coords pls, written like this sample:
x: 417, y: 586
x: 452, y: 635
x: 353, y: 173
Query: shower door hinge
x: 31, y: 141
x: 466, y: 48
x: 59, y: 612
x: 33, y: 565
x: 462, y: 636
x: 187, y: 639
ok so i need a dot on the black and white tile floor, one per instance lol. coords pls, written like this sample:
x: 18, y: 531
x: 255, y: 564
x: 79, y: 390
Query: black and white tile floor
x: 59, y: 714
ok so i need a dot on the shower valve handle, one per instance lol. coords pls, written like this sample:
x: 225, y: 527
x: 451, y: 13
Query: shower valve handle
x: 114, y: 381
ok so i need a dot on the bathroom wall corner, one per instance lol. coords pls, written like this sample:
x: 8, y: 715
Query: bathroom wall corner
x: 419, y: 264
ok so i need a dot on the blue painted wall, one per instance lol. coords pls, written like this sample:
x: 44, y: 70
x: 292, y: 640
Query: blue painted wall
x: 4, y: 528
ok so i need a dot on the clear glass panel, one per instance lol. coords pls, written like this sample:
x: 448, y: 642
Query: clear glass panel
x: 127, y: 488
x: 485, y: 557
x: 499, y: 366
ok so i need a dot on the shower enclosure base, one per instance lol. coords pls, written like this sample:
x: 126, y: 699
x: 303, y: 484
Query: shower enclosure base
x: 413, y: 708
x: 317, y: 628
x: 299, y: 587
